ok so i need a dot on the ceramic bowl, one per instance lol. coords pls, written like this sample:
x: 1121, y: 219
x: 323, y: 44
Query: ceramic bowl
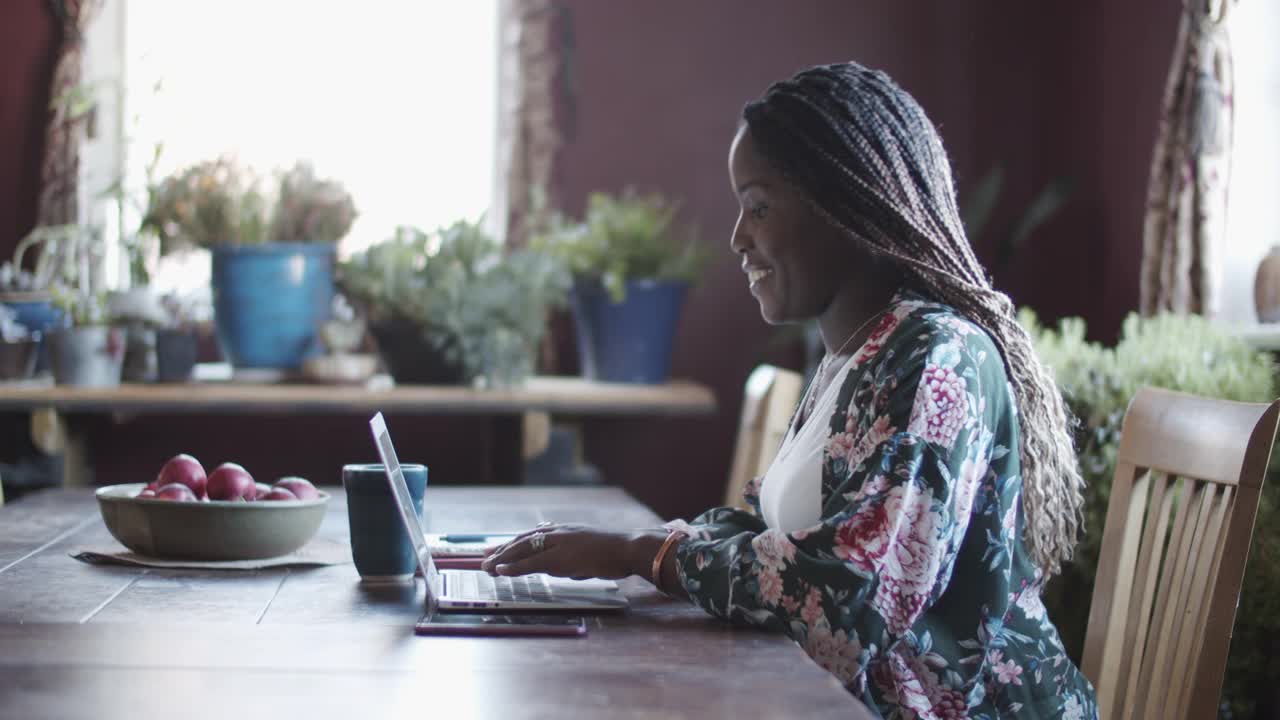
x: 340, y: 369
x: 214, y: 530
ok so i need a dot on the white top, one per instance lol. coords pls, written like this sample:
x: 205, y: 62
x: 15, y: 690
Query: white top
x: 791, y: 489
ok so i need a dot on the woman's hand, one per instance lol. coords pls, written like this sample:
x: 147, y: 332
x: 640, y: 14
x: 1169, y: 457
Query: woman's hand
x: 575, y: 551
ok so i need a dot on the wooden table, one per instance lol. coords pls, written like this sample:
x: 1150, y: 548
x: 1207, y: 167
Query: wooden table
x: 509, y: 407
x: 83, y: 641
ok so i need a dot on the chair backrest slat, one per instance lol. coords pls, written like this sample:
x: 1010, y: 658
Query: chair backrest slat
x: 1189, y: 592
x: 1133, y: 624
x: 1155, y: 660
x: 1179, y: 522
x: 1225, y: 591
x: 768, y: 402
x: 1190, y: 639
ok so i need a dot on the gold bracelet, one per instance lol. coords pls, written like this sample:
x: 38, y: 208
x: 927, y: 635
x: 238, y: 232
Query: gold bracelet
x: 667, y: 544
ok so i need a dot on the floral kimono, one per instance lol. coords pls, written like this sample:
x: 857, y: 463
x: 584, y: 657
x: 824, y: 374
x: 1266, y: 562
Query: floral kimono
x: 915, y: 589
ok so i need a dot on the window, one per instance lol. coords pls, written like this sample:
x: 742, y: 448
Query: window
x: 1253, y: 200
x: 395, y: 98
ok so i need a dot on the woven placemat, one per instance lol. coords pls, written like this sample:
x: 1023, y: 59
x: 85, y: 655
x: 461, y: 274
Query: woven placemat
x: 315, y: 553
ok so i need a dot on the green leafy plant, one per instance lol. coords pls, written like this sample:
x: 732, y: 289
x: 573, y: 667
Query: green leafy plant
x: 621, y: 238
x: 63, y: 253
x: 980, y: 205
x: 219, y: 202
x: 1188, y: 354
x: 481, y: 307
x: 85, y: 309
x: 139, y: 243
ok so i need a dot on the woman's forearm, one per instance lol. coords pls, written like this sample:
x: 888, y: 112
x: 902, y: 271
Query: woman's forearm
x: 642, y: 549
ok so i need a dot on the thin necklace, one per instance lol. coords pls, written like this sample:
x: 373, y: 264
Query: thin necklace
x: 822, y: 366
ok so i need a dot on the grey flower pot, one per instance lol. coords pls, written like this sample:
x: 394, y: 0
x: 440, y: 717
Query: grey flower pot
x: 175, y: 355
x: 87, y: 356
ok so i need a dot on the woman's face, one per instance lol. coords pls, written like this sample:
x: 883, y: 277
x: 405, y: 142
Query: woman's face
x: 794, y: 260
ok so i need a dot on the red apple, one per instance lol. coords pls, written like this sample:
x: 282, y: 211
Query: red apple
x: 231, y: 482
x: 278, y: 493
x: 261, y: 490
x: 176, y: 491
x: 300, y: 487
x: 183, y: 469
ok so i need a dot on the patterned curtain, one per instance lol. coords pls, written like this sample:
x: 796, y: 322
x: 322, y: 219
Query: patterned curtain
x: 529, y: 136
x: 531, y: 60
x: 1187, y: 196
x: 68, y: 117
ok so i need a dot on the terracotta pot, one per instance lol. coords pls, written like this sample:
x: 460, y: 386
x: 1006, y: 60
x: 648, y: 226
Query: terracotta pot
x: 1266, y: 287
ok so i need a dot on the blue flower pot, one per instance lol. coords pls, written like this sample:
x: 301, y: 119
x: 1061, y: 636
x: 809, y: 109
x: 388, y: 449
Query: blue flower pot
x: 36, y: 312
x: 270, y: 300
x: 630, y: 341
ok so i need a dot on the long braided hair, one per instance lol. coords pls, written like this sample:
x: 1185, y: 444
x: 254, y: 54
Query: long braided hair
x: 866, y: 156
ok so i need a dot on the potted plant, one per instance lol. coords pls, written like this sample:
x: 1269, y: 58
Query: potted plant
x: 90, y: 351
x: 135, y: 304
x: 176, y: 341
x: 272, y: 255
x: 452, y: 306
x: 63, y: 255
x: 140, y: 314
x: 630, y: 277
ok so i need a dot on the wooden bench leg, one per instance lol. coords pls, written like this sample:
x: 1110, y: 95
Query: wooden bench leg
x: 507, y: 462
x: 77, y: 470
x: 54, y: 433
x: 536, y: 434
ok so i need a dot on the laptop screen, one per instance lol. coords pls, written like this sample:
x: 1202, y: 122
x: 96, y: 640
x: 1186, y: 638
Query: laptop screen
x: 404, y: 501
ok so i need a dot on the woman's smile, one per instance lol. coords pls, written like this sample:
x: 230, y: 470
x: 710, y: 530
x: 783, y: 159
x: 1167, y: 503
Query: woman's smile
x: 757, y: 276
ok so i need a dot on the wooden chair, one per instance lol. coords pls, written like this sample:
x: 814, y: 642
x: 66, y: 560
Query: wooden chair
x: 768, y: 403
x: 1179, y: 522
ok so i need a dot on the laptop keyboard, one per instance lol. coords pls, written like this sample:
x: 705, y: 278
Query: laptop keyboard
x: 480, y: 586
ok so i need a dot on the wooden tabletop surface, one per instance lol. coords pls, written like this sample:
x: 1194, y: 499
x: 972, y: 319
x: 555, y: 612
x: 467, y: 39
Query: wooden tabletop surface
x: 83, y: 641
x: 562, y: 395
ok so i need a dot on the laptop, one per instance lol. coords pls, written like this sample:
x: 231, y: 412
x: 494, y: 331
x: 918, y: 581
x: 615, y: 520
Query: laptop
x: 471, y: 590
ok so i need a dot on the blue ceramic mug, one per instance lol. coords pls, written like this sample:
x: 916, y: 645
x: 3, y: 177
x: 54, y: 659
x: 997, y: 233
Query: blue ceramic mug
x: 380, y: 546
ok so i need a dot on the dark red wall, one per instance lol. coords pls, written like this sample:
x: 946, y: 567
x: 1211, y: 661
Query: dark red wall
x: 1136, y: 44
x: 28, y: 38
x: 1046, y: 91
x: 654, y: 91
x: 457, y: 450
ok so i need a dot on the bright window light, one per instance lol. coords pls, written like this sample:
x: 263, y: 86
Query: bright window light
x: 395, y: 98
x: 1253, y: 215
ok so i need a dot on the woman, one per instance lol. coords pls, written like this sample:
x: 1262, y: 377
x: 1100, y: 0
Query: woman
x: 927, y: 487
